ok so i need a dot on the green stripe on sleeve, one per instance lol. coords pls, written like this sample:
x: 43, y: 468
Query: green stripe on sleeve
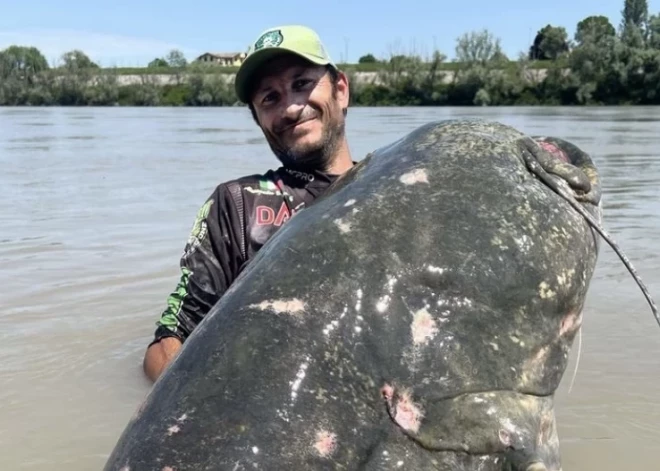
x: 169, y: 318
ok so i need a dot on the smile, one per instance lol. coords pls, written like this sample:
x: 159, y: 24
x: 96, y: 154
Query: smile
x: 292, y: 126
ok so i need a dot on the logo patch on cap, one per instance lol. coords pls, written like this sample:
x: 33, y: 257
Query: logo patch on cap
x: 269, y: 39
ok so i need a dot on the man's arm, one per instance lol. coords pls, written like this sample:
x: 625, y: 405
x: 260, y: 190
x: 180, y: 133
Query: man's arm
x: 159, y: 355
x: 208, y: 266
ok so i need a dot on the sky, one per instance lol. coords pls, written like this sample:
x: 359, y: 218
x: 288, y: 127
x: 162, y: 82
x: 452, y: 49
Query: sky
x: 132, y: 33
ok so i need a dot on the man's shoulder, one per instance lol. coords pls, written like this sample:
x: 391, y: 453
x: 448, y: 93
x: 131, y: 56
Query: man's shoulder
x: 256, y: 184
x: 251, y: 181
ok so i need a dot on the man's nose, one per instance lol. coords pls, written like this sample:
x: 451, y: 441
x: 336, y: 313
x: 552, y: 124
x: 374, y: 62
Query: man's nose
x: 292, y: 106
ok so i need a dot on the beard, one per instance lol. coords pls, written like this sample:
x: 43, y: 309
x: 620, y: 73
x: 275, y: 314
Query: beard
x: 309, y: 156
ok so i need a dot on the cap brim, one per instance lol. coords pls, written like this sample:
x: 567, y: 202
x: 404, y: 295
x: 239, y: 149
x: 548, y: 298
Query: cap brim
x: 257, y: 59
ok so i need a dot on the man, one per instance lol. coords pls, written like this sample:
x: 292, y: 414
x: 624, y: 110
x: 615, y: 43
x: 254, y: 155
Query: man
x: 298, y: 98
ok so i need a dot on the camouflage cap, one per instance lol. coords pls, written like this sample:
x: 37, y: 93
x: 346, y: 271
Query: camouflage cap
x: 292, y: 39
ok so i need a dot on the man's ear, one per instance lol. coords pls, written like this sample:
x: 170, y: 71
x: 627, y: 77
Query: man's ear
x: 343, y: 92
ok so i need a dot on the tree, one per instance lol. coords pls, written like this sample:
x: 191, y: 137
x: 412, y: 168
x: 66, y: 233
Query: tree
x: 175, y: 58
x: 73, y: 87
x: 654, y: 32
x: 367, y: 59
x: 549, y: 44
x: 499, y: 57
x: 634, y: 22
x: 76, y: 59
x: 596, y: 62
x: 481, y: 55
x: 594, y: 30
x: 633, y: 37
x: 635, y: 12
x: 478, y: 48
x: 22, y: 62
x: 158, y: 62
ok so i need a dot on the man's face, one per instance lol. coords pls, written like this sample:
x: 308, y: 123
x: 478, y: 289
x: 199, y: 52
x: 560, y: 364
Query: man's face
x: 300, y: 112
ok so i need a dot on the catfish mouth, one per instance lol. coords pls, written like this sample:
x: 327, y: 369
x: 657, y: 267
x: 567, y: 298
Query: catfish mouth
x: 509, y: 430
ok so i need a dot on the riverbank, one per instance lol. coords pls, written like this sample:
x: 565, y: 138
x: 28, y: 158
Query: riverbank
x: 626, y: 75
x: 409, y: 83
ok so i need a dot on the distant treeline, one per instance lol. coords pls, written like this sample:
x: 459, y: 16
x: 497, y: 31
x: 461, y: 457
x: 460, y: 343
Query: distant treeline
x: 600, y: 65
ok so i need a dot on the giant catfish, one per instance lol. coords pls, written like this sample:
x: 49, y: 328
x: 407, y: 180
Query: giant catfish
x: 419, y: 316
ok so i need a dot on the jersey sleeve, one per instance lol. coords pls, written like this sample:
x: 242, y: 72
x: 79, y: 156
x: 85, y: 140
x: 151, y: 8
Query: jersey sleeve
x: 210, y: 262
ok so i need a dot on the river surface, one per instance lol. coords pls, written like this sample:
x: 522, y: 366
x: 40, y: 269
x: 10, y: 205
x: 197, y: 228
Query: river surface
x: 95, y: 208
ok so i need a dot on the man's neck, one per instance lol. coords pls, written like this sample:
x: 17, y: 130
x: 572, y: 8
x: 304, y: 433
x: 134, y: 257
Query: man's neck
x: 342, y: 161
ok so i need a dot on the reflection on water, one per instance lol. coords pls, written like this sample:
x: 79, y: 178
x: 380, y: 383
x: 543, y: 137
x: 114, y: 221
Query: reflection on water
x: 94, y: 221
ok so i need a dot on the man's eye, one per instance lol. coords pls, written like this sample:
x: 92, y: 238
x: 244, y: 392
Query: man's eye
x: 301, y: 83
x: 269, y: 97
